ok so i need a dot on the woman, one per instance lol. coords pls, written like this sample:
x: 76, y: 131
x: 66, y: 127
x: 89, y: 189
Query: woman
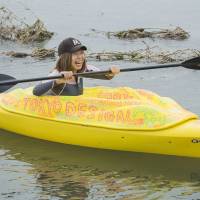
x: 71, y: 60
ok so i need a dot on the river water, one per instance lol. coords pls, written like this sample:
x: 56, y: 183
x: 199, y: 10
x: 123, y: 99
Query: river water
x: 34, y: 169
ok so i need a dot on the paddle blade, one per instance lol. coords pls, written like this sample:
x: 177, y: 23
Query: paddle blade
x: 193, y: 63
x: 3, y: 79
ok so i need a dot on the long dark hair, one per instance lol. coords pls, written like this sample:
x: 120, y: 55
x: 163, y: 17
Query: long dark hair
x: 64, y: 63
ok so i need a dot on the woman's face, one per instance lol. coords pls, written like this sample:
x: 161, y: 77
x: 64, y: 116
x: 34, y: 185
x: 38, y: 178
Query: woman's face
x: 78, y: 59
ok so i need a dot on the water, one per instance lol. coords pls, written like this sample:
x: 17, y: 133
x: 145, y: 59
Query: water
x: 33, y: 169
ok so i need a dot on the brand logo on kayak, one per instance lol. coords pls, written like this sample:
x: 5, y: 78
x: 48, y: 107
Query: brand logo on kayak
x: 195, y: 141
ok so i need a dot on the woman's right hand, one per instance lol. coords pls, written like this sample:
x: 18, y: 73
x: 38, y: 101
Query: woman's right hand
x: 67, y: 77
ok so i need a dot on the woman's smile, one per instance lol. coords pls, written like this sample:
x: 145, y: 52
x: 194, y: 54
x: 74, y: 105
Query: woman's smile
x: 78, y: 59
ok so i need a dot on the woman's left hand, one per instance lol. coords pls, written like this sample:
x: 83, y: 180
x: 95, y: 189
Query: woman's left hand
x: 114, y: 70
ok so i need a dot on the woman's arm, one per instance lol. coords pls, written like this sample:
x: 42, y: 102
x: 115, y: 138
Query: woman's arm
x: 113, y: 71
x: 42, y: 88
x: 45, y: 86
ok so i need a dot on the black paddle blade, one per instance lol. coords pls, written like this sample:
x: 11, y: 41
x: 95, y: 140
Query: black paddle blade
x: 193, y: 63
x: 3, y: 79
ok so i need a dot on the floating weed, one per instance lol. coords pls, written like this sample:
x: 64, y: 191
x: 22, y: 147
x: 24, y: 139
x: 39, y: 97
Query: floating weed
x: 147, y: 55
x: 16, y: 29
x: 177, y: 33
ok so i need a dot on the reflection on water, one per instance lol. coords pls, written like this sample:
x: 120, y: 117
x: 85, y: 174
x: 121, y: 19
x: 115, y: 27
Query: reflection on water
x: 37, y: 169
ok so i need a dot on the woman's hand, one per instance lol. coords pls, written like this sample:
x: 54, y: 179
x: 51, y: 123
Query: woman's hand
x: 113, y: 71
x: 67, y: 77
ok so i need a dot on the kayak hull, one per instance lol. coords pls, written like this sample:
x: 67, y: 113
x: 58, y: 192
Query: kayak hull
x: 180, y: 140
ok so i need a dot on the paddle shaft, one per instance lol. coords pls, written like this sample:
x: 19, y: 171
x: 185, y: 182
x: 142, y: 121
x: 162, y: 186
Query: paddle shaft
x: 132, y: 69
x: 13, y: 82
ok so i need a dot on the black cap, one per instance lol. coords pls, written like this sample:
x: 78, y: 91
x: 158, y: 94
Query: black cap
x: 70, y: 45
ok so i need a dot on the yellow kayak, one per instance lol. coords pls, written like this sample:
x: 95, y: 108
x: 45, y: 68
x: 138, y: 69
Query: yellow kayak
x: 120, y: 118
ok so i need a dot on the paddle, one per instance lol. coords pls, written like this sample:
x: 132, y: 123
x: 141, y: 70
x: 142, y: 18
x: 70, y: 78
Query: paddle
x: 7, y: 81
